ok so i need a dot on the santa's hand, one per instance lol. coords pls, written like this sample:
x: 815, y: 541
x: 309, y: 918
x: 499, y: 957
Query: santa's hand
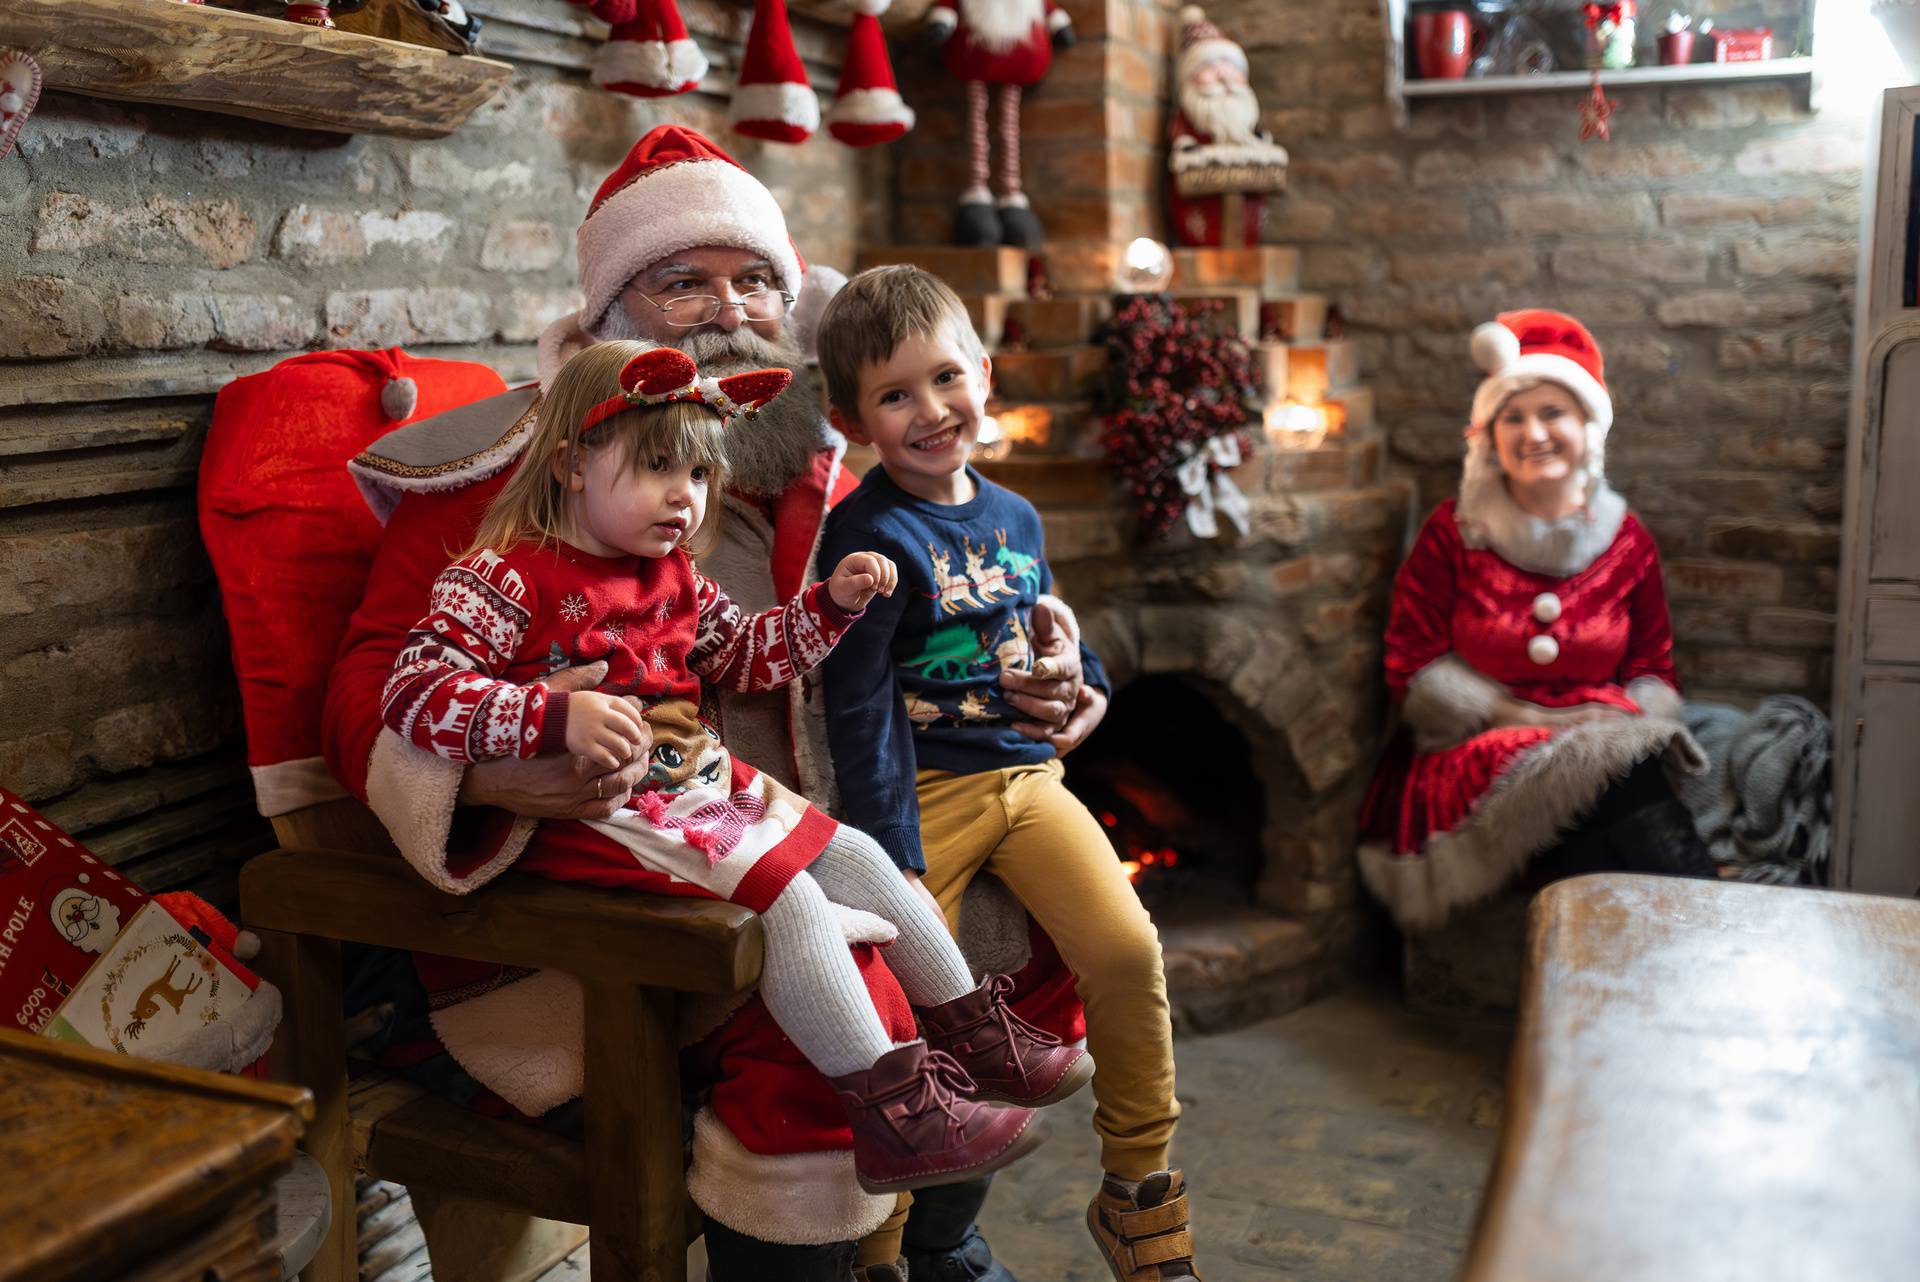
x: 557, y: 787
x: 859, y: 577
x: 940, y: 24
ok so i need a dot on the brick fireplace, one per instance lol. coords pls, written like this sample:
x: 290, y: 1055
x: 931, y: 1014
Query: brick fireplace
x: 1246, y: 669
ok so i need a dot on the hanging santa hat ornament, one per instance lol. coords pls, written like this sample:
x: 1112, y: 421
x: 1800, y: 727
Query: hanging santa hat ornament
x: 774, y: 101
x: 1526, y: 348
x: 867, y: 108
x: 648, y: 54
x: 19, y: 91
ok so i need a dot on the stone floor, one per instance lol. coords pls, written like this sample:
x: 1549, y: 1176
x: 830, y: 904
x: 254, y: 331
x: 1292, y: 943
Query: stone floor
x: 1345, y: 1142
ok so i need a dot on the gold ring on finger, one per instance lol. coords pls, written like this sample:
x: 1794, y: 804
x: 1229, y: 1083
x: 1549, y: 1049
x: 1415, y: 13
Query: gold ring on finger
x: 599, y: 784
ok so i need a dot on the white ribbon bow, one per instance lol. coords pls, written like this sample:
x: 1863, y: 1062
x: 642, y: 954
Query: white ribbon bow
x: 1206, y: 502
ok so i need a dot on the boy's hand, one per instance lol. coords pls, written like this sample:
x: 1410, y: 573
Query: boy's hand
x: 856, y: 580
x: 605, y: 730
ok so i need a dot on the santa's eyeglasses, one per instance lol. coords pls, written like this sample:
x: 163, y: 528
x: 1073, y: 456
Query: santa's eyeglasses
x: 684, y: 311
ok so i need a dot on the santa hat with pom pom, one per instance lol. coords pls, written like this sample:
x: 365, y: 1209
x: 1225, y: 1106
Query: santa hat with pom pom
x: 773, y: 101
x: 1526, y: 348
x: 1201, y: 42
x: 648, y: 54
x: 867, y: 108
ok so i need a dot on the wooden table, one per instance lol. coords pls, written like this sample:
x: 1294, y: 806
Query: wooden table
x: 115, y: 1168
x: 1710, y: 1081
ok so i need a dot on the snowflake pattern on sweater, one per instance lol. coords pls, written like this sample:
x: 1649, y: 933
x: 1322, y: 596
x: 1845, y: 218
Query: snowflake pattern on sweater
x: 469, y: 683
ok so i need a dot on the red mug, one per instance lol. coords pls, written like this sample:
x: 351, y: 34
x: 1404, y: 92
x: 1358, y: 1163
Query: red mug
x: 1676, y: 48
x: 1446, y: 42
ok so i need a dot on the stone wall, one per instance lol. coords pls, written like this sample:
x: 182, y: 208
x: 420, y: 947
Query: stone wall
x: 1710, y: 246
x: 152, y: 254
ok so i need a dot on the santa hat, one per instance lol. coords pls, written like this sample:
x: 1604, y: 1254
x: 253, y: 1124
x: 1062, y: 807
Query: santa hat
x: 650, y: 55
x: 1201, y: 42
x: 774, y: 101
x: 1523, y: 349
x: 674, y: 191
x: 867, y: 108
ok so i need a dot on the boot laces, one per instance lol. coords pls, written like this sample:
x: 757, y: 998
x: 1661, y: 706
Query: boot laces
x: 1001, y: 1014
x: 940, y: 1084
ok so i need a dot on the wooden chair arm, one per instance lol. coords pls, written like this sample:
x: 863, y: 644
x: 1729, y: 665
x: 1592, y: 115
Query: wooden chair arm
x: 694, y: 945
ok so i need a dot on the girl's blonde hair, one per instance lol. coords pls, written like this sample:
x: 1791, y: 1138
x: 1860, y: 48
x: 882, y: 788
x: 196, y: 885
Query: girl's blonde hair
x: 532, y: 506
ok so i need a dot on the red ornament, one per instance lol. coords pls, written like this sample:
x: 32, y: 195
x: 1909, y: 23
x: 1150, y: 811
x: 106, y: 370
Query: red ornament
x: 1595, y: 114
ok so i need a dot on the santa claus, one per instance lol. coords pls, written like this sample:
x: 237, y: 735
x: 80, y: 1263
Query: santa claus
x: 680, y: 246
x: 1223, y: 163
x: 1008, y: 43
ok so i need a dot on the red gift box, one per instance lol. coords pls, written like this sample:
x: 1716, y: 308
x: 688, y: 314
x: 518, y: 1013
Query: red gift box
x: 1743, y: 44
x: 60, y: 909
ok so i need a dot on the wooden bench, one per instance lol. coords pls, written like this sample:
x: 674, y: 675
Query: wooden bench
x: 1710, y: 1081
x: 633, y: 953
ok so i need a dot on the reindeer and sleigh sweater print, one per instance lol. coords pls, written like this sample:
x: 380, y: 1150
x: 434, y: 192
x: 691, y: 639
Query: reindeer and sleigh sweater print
x: 917, y: 684
x: 469, y: 685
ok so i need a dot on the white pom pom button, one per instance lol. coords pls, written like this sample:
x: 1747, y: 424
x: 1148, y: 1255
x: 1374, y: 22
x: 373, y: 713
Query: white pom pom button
x: 1543, y: 650
x: 1546, y: 607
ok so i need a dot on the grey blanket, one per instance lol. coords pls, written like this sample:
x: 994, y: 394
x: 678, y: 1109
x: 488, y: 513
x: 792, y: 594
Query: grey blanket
x: 1765, y: 805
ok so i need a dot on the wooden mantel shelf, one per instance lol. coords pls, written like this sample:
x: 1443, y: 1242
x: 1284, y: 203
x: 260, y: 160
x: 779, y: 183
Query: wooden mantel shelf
x: 240, y: 64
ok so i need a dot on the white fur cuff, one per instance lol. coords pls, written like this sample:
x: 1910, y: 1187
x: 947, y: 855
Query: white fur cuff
x: 1655, y: 697
x: 796, y: 1199
x: 415, y: 793
x: 525, y: 1041
x: 1448, y: 702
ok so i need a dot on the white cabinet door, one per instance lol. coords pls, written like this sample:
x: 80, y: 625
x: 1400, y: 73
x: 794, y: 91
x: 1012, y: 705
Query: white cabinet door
x: 1877, y: 662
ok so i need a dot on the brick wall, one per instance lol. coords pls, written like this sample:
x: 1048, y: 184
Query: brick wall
x: 1710, y: 246
x: 151, y: 255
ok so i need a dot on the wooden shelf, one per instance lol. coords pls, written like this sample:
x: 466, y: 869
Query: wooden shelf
x: 239, y: 64
x: 1687, y: 73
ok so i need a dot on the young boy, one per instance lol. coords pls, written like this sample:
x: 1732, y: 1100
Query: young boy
x: 924, y: 742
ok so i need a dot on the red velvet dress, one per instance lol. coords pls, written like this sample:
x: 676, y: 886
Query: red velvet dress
x: 1610, y: 628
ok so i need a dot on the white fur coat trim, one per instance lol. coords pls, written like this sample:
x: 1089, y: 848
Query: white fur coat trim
x: 1655, y: 697
x: 414, y: 793
x: 285, y: 786
x: 1448, y: 701
x: 796, y: 1199
x: 526, y: 1041
x: 1541, y: 793
x: 559, y: 341
x: 1489, y: 518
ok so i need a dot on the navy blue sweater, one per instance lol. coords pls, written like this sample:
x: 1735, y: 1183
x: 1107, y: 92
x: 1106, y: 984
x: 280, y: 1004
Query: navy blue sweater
x: 916, y: 683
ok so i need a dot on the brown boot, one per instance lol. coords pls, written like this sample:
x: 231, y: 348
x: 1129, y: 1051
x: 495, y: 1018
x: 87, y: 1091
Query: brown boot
x: 1009, y: 1059
x: 1145, y: 1237
x: 915, y: 1124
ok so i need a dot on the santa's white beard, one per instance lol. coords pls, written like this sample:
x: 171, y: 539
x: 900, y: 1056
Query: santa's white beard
x: 999, y: 25
x: 1230, y: 113
x: 772, y: 450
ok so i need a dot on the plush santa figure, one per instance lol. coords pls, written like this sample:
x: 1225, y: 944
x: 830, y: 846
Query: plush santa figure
x: 1222, y: 162
x: 1008, y: 43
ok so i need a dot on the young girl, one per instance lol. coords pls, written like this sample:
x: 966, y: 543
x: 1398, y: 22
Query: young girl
x: 585, y: 556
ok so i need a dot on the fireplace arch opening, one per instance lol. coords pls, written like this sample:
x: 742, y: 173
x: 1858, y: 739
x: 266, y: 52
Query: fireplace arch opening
x: 1175, y: 785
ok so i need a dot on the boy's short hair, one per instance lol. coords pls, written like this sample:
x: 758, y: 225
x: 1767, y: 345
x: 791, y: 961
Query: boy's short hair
x: 874, y: 313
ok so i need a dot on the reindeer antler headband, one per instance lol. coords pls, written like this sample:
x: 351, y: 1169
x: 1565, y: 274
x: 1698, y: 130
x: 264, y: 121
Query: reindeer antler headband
x: 664, y: 374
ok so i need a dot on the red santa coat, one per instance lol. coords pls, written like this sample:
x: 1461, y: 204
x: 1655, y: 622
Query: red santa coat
x: 1023, y: 61
x: 1453, y: 823
x: 780, y: 1171
x: 1200, y: 220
